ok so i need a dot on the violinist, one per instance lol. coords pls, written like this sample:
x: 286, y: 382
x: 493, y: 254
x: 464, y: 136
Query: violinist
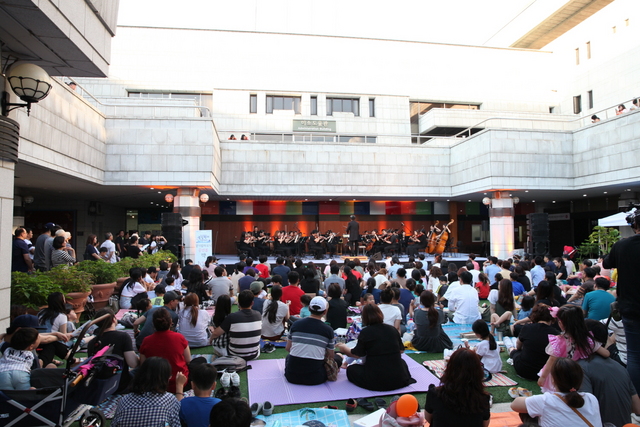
x: 314, y: 244
x: 391, y: 243
x: 378, y: 242
x: 331, y: 242
x: 280, y: 245
x: 417, y: 242
x: 245, y: 244
x: 261, y: 242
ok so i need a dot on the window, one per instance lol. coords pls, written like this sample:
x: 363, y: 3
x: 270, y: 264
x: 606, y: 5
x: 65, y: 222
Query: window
x: 344, y: 105
x: 577, y: 104
x: 552, y: 110
x: 590, y: 98
x: 372, y: 107
x: 588, y: 50
x: 577, y: 56
x: 314, y: 106
x: 253, y: 104
x: 283, y: 103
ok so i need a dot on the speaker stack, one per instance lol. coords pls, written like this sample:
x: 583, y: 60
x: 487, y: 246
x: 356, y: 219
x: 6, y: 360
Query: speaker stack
x: 172, y: 231
x: 538, y: 234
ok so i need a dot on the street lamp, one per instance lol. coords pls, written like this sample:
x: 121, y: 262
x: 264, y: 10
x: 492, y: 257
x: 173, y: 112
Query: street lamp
x: 30, y: 82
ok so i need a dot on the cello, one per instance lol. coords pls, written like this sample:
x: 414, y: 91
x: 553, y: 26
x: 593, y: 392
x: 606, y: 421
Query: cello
x: 433, y: 238
x: 443, y: 237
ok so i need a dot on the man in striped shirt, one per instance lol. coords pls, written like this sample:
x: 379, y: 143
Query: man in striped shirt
x: 244, y: 328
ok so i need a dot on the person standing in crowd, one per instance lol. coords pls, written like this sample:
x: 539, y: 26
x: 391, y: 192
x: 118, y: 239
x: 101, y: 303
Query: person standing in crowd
x: 623, y: 256
x: 20, y: 259
x: 111, y: 248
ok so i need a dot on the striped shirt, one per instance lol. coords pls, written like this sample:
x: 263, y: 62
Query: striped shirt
x: 244, y: 328
x: 60, y: 257
x: 16, y: 360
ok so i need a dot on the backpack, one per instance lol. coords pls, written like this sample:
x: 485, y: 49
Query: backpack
x: 230, y: 363
x: 128, y: 319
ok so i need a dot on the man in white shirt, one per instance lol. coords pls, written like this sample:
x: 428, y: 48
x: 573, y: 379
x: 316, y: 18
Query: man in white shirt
x: 475, y: 273
x: 537, y: 273
x: 463, y: 301
x: 111, y: 248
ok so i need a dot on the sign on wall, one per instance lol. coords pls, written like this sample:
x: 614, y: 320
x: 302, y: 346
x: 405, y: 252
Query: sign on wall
x: 314, y: 126
x: 203, y: 246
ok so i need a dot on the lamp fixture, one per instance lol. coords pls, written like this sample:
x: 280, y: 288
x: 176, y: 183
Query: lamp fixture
x: 30, y: 82
x: 204, y: 197
x: 168, y: 198
x: 516, y: 200
x: 486, y: 201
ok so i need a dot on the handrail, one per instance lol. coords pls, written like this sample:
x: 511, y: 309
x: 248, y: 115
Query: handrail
x: 605, y: 110
x: 133, y: 104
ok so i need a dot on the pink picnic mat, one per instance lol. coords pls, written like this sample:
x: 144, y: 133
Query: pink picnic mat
x: 266, y: 382
x: 498, y: 379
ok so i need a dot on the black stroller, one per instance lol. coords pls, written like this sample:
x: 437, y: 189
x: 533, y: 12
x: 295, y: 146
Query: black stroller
x: 64, y: 396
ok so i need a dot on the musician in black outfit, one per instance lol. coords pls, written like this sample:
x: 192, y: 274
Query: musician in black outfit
x: 393, y: 245
x: 353, y: 230
x: 332, y: 242
x: 418, y: 243
x: 243, y: 245
x: 314, y: 244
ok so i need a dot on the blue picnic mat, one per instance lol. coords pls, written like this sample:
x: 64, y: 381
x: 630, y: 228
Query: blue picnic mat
x: 328, y: 418
x: 453, y: 330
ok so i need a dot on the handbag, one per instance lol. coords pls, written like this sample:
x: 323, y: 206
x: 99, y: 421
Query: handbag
x: 114, y: 303
x: 331, y: 367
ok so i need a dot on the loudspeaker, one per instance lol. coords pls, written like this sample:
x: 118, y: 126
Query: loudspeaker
x: 172, y: 231
x: 538, y: 227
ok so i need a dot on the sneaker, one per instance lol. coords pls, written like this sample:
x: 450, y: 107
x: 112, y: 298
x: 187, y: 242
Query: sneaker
x: 234, y: 391
x: 225, y: 380
x: 221, y: 393
x: 235, y: 379
x: 269, y: 348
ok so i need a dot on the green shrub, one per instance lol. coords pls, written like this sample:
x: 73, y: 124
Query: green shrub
x: 32, y: 290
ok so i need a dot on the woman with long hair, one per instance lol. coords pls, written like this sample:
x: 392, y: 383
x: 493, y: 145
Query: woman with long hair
x: 352, y: 285
x: 309, y: 284
x: 193, y: 322
x: 483, y: 286
x: 504, y: 308
x: 545, y: 294
x: 429, y: 335
x: 174, y: 272
x: 461, y: 399
x: 336, y: 315
x: 553, y: 281
x: 223, y: 309
x: 384, y: 369
x: 54, y: 319
x: 133, y: 286
x: 210, y: 265
x: 528, y: 351
x: 166, y: 344
x: 566, y: 407
x: 149, y: 390
x: 105, y: 335
x: 434, y: 279
x: 91, y: 252
x: 196, y: 285
x: 372, y: 288
x: 274, y: 314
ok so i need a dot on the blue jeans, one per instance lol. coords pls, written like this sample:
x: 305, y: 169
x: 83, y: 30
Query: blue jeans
x: 15, y: 380
x: 632, y: 333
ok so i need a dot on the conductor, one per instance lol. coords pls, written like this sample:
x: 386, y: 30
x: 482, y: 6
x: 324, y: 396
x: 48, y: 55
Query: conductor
x: 353, y: 229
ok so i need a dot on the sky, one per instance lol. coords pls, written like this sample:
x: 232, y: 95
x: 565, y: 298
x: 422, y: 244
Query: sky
x: 471, y: 22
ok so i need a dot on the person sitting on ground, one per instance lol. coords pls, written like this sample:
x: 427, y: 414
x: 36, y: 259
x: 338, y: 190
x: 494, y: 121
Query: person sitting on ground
x: 274, y: 314
x: 337, y: 311
x: 196, y: 285
x: 518, y: 288
x: 395, y: 301
x: 244, y: 283
x: 171, y: 302
x: 429, y: 335
x: 528, y: 351
x: 258, y: 300
x: 463, y: 300
x: 149, y: 404
x: 195, y: 410
x: 597, y: 304
x: 304, y: 311
x: 309, y: 284
x: 461, y: 399
x: 291, y: 293
x: 231, y: 413
x: 309, y: 343
x: 487, y: 349
x: 503, y: 309
x: 223, y: 309
x: 17, y: 360
x: 384, y: 369
x: 193, y: 322
x: 132, y: 287
x: 53, y: 319
x: 391, y: 314
x: 159, y: 290
x: 567, y: 407
x: 244, y: 328
x: 483, y: 286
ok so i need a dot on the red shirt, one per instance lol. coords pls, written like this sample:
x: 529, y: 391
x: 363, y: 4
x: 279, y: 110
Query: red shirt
x: 168, y: 345
x: 292, y: 293
x: 264, y: 270
x: 483, y: 290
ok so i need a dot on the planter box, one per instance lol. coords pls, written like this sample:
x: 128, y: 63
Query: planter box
x: 101, y: 294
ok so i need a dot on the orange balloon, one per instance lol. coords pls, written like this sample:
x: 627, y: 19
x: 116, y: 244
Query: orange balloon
x: 407, y: 405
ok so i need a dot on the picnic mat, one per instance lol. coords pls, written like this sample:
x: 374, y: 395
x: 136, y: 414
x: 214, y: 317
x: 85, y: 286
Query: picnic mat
x: 268, y: 375
x: 505, y: 419
x: 328, y: 417
x: 499, y: 379
x: 108, y: 406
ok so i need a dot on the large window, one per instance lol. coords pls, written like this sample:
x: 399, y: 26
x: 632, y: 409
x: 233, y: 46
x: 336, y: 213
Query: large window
x: 283, y: 103
x: 253, y: 104
x: 314, y: 106
x: 344, y: 105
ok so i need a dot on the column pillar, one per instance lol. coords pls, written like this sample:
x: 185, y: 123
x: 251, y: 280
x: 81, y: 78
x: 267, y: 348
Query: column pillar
x: 501, y: 227
x: 187, y: 203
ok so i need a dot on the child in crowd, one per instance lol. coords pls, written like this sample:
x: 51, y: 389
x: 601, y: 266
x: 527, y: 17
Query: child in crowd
x: 305, y: 300
x: 143, y: 306
x: 104, y: 254
x: 488, y: 348
x: 195, y: 410
x: 367, y: 299
x: 16, y: 361
x: 574, y: 342
x: 526, y: 305
x: 159, y: 298
x: 169, y: 284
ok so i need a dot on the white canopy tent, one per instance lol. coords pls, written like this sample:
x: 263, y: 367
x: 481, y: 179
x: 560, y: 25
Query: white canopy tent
x: 617, y: 220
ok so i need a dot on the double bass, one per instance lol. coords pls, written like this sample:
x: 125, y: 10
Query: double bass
x: 433, y: 238
x: 443, y: 237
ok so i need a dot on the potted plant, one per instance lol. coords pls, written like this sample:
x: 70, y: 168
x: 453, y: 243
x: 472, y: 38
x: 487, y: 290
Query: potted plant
x: 599, y: 242
x: 75, y: 284
x: 104, y: 275
x: 32, y: 290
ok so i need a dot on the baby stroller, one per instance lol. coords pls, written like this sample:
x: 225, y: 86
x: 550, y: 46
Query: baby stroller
x: 64, y: 396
